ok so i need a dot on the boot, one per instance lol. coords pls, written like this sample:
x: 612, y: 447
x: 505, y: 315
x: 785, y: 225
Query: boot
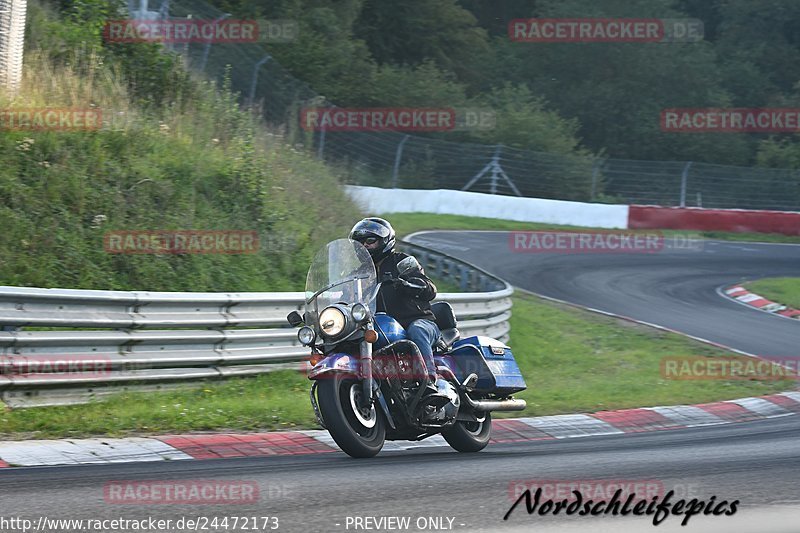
x: 433, y: 396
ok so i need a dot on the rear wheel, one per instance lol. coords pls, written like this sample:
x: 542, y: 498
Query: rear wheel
x: 358, y: 432
x: 469, y: 437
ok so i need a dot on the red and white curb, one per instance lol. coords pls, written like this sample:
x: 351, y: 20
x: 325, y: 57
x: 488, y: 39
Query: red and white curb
x: 217, y: 446
x: 741, y: 295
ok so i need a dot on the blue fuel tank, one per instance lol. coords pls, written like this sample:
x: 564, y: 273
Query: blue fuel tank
x: 389, y: 330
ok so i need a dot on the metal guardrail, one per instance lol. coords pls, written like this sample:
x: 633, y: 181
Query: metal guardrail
x: 63, y: 346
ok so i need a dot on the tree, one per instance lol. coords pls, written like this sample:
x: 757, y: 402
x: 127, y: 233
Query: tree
x: 618, y: 90
x: 523, y: 121
x: 412, y: 31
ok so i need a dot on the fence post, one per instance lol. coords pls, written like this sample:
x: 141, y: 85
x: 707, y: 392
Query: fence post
x: 12, y: 41
x: 254, y: 80
x: 497, y: 172
x: 164, y: 10
x: 684, y: 180
x: 321, y: 149
x: 207, y: 47
x: 398, y: 155
x: 495, y: 169
x: 595, y: 174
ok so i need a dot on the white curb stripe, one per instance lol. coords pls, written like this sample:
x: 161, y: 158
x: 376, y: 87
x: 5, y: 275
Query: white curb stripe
x: 792, y: 395
x: 437, y: 441
x: 749, y: 297
x: 688, y: 415
x: 567, y: 426
x: 48, y: 452
x: 762, y: 407
x: 88, y: 451
x: 321, y: 436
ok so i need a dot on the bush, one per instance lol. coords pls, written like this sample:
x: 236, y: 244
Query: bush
x: 191, y: 161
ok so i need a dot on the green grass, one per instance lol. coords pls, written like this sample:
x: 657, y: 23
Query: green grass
x: 782, y: 290
x: 266, y: 402
x: 578, y: 361
x: 407, y: 223
x: 445, y: 285
x: 573, y: 361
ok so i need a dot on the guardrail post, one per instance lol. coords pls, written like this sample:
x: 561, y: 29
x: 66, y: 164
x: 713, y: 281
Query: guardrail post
x: 464, y: 277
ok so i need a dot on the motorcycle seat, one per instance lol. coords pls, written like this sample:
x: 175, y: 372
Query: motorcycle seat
x: 447, y: 323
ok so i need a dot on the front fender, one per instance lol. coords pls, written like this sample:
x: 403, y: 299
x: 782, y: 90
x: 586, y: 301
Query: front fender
x: 343, y: 363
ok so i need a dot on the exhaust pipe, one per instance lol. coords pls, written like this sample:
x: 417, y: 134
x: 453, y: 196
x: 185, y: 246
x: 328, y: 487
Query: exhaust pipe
x: 496, y: 405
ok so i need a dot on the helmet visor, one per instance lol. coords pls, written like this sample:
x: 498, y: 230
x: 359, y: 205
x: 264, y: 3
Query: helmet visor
x: 369, y: 241
x: 366, y: 229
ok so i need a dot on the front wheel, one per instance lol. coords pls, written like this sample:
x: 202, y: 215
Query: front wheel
x: 469, y: 437
x: 358, y: 432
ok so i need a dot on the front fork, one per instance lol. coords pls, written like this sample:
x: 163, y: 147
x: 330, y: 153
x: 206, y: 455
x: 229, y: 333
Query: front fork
x: 370, y: 388
x: 365, y: 368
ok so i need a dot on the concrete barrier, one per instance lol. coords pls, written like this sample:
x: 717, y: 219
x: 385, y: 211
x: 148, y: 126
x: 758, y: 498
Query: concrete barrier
x: 448, y: 202
x: 379, y: 201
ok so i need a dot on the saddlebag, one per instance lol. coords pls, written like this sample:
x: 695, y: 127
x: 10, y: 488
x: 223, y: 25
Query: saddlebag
x: 492, y: 361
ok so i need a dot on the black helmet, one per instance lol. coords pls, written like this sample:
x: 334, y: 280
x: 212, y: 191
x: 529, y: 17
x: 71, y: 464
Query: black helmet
x: 377, y: 228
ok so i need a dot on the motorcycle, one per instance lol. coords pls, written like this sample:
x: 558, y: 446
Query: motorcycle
x: 369, y: 380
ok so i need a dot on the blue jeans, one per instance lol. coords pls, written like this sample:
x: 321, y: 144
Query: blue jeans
x: 425, y: 334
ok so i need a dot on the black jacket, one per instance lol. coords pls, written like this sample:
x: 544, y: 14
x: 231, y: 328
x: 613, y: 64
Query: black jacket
x: 404, y: 304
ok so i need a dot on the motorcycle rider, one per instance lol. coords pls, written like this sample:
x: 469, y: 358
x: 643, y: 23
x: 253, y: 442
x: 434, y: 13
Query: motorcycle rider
x: 408, y: 298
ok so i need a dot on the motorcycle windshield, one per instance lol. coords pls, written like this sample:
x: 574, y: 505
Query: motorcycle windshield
x: 342, y: 272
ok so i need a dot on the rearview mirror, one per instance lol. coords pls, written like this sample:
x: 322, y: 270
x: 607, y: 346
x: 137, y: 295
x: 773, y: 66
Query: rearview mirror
x: 409, y: 264
x: 294, y: 319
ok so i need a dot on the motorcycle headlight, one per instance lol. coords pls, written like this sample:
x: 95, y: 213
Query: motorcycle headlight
x: 359, y: 312
x: 332, y: 321
x: 306, y: 335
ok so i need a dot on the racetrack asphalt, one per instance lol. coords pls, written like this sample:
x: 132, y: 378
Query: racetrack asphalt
x: 675, y: 288
x: 753, y: 462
